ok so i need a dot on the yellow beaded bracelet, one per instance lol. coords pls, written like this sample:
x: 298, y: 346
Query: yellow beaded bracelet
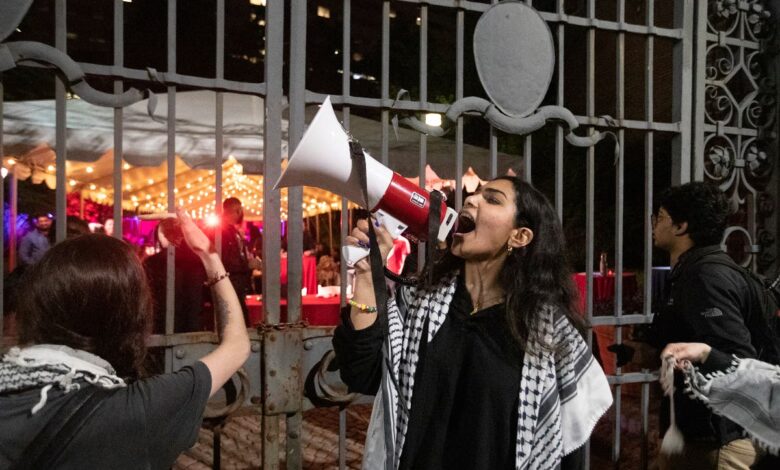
x: 362, y: 307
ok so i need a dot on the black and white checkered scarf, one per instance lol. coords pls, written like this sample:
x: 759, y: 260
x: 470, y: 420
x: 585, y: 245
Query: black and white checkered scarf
x: 46, y: 366
x: 747, y: 393
x: 563, y: 391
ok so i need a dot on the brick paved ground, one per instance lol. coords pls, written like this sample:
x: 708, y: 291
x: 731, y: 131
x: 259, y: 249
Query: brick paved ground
x: 241, y: 443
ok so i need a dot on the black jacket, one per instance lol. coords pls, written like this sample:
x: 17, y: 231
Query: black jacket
x: 708, y: 303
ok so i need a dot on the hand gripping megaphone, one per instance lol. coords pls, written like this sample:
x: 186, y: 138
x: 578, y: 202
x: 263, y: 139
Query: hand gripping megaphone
x: 323, y: 159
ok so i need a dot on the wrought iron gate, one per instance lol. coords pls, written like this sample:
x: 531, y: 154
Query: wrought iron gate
x: 689, y: 86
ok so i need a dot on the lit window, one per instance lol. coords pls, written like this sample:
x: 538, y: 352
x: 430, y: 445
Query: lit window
x: 323, y: 12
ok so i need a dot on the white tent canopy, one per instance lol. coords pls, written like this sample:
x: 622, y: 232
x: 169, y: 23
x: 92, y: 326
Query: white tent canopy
x: 29, y: 137
x: 90, y: 129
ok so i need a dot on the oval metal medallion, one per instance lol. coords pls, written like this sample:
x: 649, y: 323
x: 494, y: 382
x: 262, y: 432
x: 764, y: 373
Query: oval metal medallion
x: 515, y: 57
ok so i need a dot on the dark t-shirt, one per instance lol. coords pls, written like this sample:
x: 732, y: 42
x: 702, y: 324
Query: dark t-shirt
x: 142, y: 426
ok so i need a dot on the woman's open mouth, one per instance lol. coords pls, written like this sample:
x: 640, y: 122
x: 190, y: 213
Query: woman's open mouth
x: 465, y: 224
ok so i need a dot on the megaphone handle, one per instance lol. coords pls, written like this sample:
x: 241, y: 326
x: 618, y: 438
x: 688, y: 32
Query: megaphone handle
x: 377, y: 266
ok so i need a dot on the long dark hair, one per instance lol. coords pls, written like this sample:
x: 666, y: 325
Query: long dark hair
x: 534, y: 276
x: 89, y: 292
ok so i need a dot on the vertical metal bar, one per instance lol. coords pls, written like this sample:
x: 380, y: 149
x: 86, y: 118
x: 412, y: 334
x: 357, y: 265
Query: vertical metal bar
x: 698, y: 79
x: 119, y: 60
x: 344, y: 228
x: 385, y: 78
x: 346, y: 220
x: 61, y: 43
x: 459, y: 40
x: 423, y: 102
x: 297, y: 92
x: 682, y: 54
x: 560, y: 31
x: 295, y: 201
x: 342, y: 438
x: 170, y: 278
x: 648, y: 232
x: 274, y: 63
x: 219, y: 120
x: 528, y: 143
x: 527, y: 157
x: 270, y: 429
x: 591, y: 162
x: 644, y: 459
x: 493, y: 152
x: 620, y: 82
x: 590, y: 182
x: 294, y: 427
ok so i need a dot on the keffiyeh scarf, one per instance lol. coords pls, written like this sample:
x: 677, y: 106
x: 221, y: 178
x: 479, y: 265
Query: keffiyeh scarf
x: 747, y: 393
x: 45, y: 366
x: 563, y: 391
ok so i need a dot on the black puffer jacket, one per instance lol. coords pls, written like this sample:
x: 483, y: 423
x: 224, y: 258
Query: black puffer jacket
x: 708, y: 303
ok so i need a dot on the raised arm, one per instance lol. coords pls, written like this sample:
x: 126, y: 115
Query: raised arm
x: 364, y: 285
x: 233, y: 349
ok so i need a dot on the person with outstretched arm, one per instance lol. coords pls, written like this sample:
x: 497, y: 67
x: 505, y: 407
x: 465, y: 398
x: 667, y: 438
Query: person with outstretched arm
x: 75, y: 394
x: 744, y: 390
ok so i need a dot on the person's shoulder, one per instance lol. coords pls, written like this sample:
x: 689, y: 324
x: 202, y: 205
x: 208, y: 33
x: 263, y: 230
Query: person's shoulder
x: 716, y: 267
x: 189, y: 374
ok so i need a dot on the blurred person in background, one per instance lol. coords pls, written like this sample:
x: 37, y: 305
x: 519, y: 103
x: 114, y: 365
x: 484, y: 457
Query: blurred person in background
x: 235, y: 253
x: 36, y: 242
x: 189, y: 276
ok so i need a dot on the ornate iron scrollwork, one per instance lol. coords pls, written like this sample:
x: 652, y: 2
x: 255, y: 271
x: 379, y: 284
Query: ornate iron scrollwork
x: 17, y: 53
x: 740, y: 144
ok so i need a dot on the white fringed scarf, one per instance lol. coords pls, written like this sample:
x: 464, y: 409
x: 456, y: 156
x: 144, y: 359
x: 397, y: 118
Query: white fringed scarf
x: 45, y: 366
x: 747, y: 393
x: 563, y: 391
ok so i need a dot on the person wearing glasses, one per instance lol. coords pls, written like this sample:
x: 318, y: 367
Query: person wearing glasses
x: 709, y: 302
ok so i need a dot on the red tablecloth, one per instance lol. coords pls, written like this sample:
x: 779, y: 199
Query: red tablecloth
x: 603, y: 295
x: 309, y: 272
x: 315, y: 310
x: 604, y: 287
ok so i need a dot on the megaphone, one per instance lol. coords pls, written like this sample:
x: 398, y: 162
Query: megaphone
x: 323, y: 159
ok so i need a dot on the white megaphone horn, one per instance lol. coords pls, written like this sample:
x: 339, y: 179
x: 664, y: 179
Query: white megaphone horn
x: 323, y: 159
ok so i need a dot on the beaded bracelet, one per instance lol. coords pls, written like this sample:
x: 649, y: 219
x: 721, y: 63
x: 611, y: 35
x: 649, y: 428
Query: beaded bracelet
x: 362, y: 307
x: 216, y: 279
